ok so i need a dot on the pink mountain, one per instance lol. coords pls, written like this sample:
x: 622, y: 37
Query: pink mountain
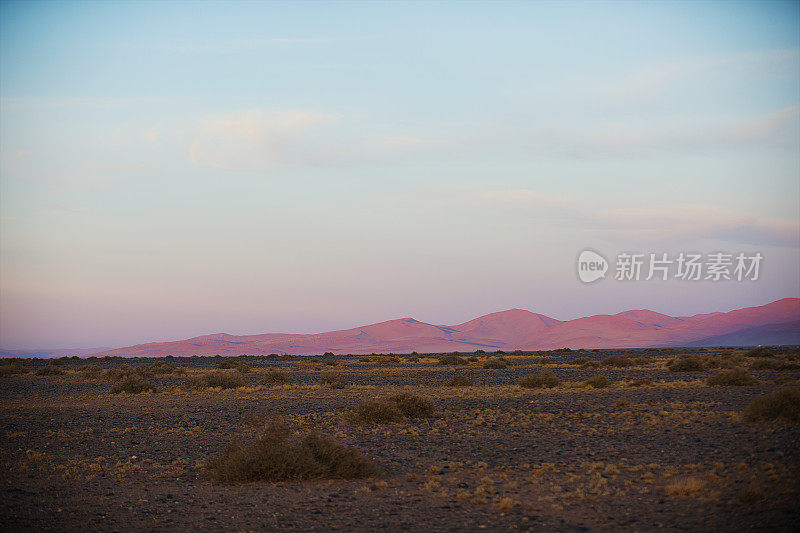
x: 774, y: 323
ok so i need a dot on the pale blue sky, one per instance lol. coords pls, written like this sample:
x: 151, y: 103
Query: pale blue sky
x: 180, y: 168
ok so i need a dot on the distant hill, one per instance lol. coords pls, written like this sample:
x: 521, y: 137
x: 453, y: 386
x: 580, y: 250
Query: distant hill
x: 774, y: 323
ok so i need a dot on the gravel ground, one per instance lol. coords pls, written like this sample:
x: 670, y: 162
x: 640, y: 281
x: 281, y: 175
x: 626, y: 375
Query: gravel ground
x: 671, y: 454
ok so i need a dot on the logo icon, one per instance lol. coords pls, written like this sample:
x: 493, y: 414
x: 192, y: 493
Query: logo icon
x: 591, y: 266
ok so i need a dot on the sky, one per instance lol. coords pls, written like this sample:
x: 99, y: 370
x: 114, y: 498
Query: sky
x: 173, y: 169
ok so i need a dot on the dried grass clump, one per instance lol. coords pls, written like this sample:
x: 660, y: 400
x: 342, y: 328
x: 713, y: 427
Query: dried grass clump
x: 161, y: 367
x: 451, y: 359
x: 782, y: 405
x: 760, y: 351
x: 332, y: 381
x: 50, y: 370
x: 544, y: 379
x: 116, y: 374
x: 243, y: 369
x: 496, y: 363
x: 393, y: 409
x: 690, y: 486
x: 14, y: 369
x: 228, y: 364
x: 217, y: 379
x: 617, y: 361
x: 735, y: 377
x: 275, y: 376
x: 90, y: 371
x: 598, y: 382
x: 460, y: 380
x: 277, y: 455
x: 774, y: 364
x: 132, y: 385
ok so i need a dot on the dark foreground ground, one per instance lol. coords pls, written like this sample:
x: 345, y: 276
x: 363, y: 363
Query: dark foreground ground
x: 673, y: 453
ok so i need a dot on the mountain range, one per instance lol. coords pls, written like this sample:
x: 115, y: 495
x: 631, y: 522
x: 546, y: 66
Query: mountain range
x: 776, y: 323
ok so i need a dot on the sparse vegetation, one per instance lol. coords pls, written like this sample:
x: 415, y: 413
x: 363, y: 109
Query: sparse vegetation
x: 393, y: 409
x: 50, y: 370
x: 275, y: 376
x: 131, y: 384
x: 782, y: 405
x: 413, y: 405
x: 332, y: 381
x: 774, y: 364
x: 760, y: 351
x: 543, y: 379
x: 277, y: 455
x: 735, y: 377
x: 452, y: 359
x: 598, y: 382
x: 14, y: 369
x: 686, y: 364
x: 617, y: 361
x: 496, y: 363
x: 459, y: 380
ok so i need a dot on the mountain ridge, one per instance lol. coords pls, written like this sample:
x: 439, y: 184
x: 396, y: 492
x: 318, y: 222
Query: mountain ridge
x: 503, y: 330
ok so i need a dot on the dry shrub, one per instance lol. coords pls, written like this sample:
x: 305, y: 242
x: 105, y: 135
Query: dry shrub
x: 544, y: 379
x: 243, y: 369
x: 332, y: 381
x: 591, y: 364
x: 14, y: 369
x: 760, y: 351
x: 115, y: 374
x: 277, y: 455
x: 451, y: 359
x: 496, y: 363
x: 131, y: 384
x: 161, y: 367
x: 773, y: 364
x: 90, y: 371
x: 226, y: 365
x: 641, y: 383
x: 617, y: 361
x: 413, y: 405
x: 275, y: 376
x: 580, y: 361
x: 460, y: 380
x: 393, y: 409
x: 736, y: 377
x: 216, y: 379
x: 690, y: 486
x: 378, y: 411
x: 598, y: 382
x: 50, y: 370
x: 782, y: 405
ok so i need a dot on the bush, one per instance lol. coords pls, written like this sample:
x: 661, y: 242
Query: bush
x: 243, y: 369
x: 226, y: 365
x: 781, y: 405
x: 394, y: 409
x: 131, y: 384
x: 641, y: 383
x: 161, y: 367
x: 332, y: 381
x: 773, y: 364
x: 331, y: 362
x: 13, y: 369
x: 581, y: 361
x: 686, y: 364
x: 460, y: 381
x: 591, y: 364
x: 379, y: 411
x: 736, y: 377
x: 90, y: 371
x: 413, y: 405
x: 50, y: 370
x: 115, y: 374
x: 278, y: 456
x: 496, y: 363
x: 275, y: 376
x: 760, y: 351
x: 617, y: 361
x: 223, y: 380
x: 544, y: 379
x: 451, y: 359
x: 598, y: 382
